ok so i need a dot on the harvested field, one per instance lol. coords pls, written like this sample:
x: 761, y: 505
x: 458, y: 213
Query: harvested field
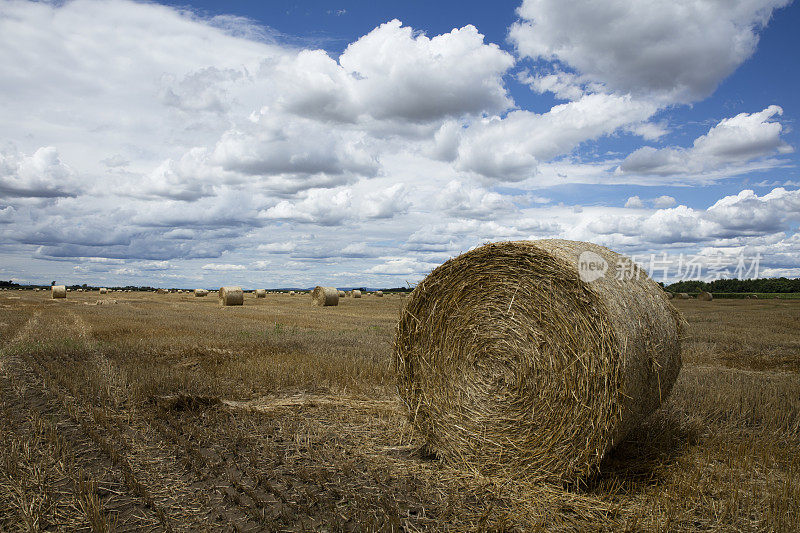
x: 170, y: 412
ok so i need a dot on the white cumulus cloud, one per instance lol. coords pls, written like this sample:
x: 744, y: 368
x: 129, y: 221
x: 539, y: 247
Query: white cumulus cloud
x: 733, y: 140
x: 674, y: 51
x: 39, y: 175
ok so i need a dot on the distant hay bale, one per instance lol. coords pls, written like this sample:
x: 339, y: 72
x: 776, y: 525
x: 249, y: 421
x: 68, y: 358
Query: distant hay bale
x: 231, y: 296
x: 705, y: 296
x: 754, y: 296
x: 325, y: 296
x: 379, y: 294
x: 161, y: 291
x: 291, y: 293
x: 683, y: 296
x: 342, y: 294
x: 356, y: 293
x: 670, y: 295
x: 533, y: 359
x: 58, y: 291
x: 261, y: 293
x: 103, y: 290
x: 200, y: 292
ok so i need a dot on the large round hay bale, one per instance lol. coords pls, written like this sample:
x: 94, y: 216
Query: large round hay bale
x: 342, y: 294
x: 684, y: 296
x: 58, y: 291
x: 200, y: 292
x: 356, y: 293
x: 379, y: 294
x: 231, y: 296
x: 705, y: 296
x: 533, y: 359
x: 103, y: 290
x: 325, y: 296
x: 261, y: 293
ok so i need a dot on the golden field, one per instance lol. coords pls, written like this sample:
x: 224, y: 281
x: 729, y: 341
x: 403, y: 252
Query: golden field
x: 169, y: 412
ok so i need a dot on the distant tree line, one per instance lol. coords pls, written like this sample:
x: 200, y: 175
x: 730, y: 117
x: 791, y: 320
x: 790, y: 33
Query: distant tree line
x: 779, y: 285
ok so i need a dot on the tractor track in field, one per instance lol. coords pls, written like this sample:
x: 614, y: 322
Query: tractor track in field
x: 28, y: 396
x: 157, y: 478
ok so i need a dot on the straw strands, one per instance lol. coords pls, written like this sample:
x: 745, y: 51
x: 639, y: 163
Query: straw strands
x: 510, y: 363
x: 325, y: 296
x: 231, y: 296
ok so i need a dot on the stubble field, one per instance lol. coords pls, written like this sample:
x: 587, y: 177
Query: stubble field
x: 169, y: 412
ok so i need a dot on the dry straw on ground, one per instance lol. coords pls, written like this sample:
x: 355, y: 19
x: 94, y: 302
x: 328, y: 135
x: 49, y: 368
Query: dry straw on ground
x: 705, y: 296
x: 200, y: 292
x: 356, y: 293
x: 261, y: 293
x: 325, y: 296
x: 231, y: 296
x: 509, y: 363
x: 58, y: 291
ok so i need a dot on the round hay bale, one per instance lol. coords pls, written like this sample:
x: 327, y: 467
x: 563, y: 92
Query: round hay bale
x: 261, y: 293
x: 533, y: 359
x: 670, y: 295
x: 161, y: 291
x: 291, y: 293
x: 200, y: 293
x: 379, y: 294
x: 325, y: 296
x: 342, y: 294
x: 683, y: 296
x: 103, y: 290
x: 231, y: 296
x: 754, y: 296
x: 705, y: 296
x: 356, y: 293
x: 58, y: 291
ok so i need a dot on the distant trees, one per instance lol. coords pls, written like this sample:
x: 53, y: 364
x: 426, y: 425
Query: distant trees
x: 781, y: 285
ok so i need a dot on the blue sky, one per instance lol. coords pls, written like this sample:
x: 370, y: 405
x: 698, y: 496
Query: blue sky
x: 364, y: 143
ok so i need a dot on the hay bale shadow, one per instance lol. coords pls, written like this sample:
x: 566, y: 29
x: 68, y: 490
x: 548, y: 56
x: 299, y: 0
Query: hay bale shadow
x: 643, y: 459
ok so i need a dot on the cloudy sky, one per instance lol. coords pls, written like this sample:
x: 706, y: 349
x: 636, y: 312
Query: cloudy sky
x: 364, y: 143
